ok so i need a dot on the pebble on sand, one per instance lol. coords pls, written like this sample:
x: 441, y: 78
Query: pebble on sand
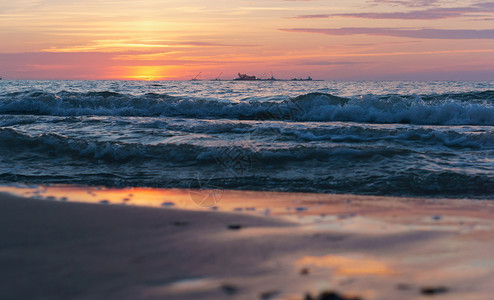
x: 330, y: 295
x: 235, y: 227
x: 431, y: 291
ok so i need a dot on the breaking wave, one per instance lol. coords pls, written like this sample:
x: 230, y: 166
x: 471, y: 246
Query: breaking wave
x: 52, y: 144
x: 473, y: 108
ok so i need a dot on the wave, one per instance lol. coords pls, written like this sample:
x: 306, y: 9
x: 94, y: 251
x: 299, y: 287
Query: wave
x: 406, y: 183
x: 414, y: 137
x: 473, y: 108
x: 419, y: 183
x: 474, y: 137
x: 181, y: 150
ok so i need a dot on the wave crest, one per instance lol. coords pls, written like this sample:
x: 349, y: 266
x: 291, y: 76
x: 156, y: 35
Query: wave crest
x: 445, y: 109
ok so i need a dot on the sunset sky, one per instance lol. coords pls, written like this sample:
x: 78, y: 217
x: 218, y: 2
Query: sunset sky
x: 177, y: 39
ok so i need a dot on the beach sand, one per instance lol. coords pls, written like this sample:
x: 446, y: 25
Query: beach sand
x: 170, y: 244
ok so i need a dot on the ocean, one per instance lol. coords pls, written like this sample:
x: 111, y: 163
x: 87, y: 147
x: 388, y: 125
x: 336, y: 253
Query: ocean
x: 433, y: 139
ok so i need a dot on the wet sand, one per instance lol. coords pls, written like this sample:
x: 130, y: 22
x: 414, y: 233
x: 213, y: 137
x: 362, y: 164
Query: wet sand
x: 170, y: 244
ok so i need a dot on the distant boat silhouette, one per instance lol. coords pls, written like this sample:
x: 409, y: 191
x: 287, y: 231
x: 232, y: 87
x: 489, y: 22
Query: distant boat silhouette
x: 302, y: 79
x: 195, y: 77
x: 245, y: 77
x: 218, y: 77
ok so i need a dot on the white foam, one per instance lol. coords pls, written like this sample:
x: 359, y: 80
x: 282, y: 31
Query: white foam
x: 439, y: 110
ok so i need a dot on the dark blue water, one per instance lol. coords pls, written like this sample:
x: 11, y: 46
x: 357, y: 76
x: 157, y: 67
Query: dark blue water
x: 387, y: 138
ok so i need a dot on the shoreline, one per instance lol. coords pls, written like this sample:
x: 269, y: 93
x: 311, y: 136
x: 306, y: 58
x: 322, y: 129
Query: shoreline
x: 250, y: 245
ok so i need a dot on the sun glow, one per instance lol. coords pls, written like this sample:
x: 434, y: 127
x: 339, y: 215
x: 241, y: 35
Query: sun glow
x: 177, y: 39
x: 148, y: 73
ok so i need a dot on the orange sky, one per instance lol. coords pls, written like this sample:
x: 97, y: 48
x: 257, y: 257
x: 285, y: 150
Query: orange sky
x: 168, y: 39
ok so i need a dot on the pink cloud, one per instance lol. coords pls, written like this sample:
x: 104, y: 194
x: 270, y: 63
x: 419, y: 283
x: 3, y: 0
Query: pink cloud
x: 427, y: 14
x: 409, y: 3
x: 426, y: 33
x: 208, y: 44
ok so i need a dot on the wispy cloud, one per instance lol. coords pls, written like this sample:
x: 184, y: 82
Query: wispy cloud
x: 408, y: 53
x: 106, y: 45
x: 210, y: 44
x: 426, y: 33
x: 483, y: 19
x: 408, y: 3
x: 427, y: 14
x: 383, y: 44
x: 321, y: 63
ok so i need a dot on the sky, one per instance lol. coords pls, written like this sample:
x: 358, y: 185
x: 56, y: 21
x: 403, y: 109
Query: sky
x: 179, y: 39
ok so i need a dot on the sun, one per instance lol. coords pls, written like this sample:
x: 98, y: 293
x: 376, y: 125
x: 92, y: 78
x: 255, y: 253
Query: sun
x: 148, y: 73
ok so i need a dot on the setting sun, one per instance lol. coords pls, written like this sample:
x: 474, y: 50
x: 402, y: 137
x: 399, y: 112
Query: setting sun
x: 147, y: 73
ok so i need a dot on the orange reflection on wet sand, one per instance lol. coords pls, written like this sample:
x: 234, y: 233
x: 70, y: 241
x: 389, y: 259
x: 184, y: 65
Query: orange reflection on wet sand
x: 342, y: 265
x: 178, y: 198
x: 130, y: 196
x: 327, y: 211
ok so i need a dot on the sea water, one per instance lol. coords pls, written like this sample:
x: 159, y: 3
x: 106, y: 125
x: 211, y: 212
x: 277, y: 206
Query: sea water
x: 385, y: 138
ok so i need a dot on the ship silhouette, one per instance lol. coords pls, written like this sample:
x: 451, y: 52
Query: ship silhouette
x: 245, y: 77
